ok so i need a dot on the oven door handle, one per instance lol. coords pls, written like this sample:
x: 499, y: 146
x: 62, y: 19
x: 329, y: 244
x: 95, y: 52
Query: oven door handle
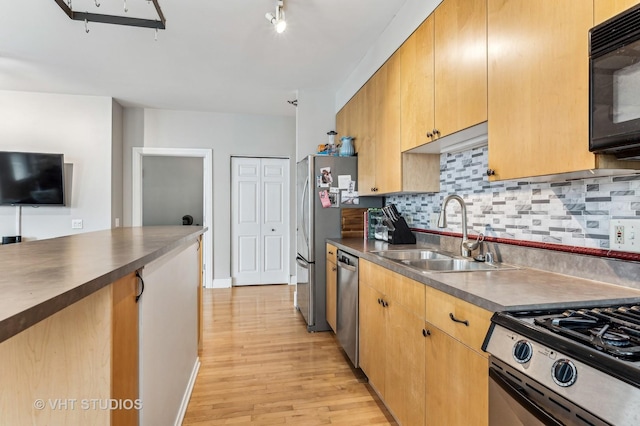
x: 518, y: 393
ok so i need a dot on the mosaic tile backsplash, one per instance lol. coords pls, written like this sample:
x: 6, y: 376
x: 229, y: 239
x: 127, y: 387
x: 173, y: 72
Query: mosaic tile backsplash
x: 575, y: 213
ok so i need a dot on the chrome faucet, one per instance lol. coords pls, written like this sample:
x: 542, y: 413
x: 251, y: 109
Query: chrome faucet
x: 467, y: 245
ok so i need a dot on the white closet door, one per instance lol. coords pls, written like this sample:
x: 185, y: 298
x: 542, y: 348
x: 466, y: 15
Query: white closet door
x: 260, y: 220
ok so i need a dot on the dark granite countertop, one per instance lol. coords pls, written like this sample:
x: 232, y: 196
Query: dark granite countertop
x: 40, y: 278
x: 500, y: 290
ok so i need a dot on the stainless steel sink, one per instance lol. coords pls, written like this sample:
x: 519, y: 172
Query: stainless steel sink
x: 412, y: 254
x: 453, y: 265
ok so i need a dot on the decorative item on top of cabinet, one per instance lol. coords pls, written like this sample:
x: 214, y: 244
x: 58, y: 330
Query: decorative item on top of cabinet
x: 538, y: 97
x: 606, y: 9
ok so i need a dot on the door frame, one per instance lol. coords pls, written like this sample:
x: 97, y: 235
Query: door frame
x: 207, y: 196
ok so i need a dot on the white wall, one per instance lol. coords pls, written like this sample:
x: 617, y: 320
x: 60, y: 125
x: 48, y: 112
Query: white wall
x: 408, y: 18
x: 228, y: 135
x: 116, y: 165
x: 315, y: 116
x: 80, y: 127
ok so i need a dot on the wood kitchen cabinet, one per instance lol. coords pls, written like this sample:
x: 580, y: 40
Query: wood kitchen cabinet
x: 427, y: 367
x: 444, y: 73
x: 372, y: 117
x: 605, y: 9
x: 457, y: 370
x: 388, y: 158
x: 457, y: 382
x: 124, y: 350
x: 392, y: 346
x: 539, y: 89
x: 417, y: 86
x: 366, y: 140
x: 332, y: 286
x: 460, y: 71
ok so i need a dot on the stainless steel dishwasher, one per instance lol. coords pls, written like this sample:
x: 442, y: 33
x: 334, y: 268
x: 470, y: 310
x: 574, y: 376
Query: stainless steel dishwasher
x: 347, y: 305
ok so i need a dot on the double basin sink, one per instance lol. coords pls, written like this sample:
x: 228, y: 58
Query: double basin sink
x: 432, y: 261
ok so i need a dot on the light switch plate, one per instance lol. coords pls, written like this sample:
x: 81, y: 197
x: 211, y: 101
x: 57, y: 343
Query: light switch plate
x: 76, y: 224
x: 624, y: 235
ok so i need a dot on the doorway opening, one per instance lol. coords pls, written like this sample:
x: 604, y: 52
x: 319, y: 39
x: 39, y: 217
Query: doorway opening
x: 200, y: 211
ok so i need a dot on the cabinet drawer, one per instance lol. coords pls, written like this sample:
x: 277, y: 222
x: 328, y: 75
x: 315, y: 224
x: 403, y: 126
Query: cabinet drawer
x: 462, y: 320
x: 332, y: 253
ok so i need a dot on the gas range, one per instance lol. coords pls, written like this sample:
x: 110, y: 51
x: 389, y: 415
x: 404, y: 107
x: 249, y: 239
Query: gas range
x: 580, y: 366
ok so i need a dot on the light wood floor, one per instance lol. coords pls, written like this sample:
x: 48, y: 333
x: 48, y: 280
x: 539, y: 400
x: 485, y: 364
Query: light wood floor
x: 260, y: 366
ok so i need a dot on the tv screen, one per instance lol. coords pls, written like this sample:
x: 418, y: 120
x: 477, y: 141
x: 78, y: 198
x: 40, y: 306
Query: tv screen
x: 32, y: 179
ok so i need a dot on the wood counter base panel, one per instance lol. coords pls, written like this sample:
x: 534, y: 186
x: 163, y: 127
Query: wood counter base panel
x: 47, y: 364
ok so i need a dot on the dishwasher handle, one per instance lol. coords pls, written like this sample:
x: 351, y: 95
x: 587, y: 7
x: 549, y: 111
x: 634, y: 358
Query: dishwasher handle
x: 346, y: 266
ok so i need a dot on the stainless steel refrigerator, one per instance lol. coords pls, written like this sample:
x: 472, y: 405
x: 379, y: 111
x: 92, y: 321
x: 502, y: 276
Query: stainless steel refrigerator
x: 315, y: 224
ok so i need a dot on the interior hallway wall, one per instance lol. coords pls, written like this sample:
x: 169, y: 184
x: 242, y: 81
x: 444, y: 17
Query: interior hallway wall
x: 171, y: 189
x: 227, y: 135
x: 85, y: 130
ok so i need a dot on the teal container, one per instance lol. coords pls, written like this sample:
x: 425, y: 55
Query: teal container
x: 346, y: 148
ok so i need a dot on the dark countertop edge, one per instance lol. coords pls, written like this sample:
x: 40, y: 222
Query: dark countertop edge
x: 481, y: 302
x: 15, y: 324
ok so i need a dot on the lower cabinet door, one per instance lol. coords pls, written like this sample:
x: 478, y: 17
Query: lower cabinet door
x: 372, y: 341
x: 405, y: 366
x: 457, y: 382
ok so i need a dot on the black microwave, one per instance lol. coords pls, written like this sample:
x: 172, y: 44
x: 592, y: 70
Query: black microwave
x: 614, y: 86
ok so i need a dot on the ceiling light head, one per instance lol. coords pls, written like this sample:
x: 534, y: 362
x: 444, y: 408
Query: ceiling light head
x: 278, y: 19
x: 270, y: 17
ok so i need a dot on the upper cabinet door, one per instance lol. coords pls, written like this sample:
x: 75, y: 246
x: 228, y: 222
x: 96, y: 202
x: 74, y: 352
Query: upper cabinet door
x: 416, y: 92
x: 605, y: 9
x: 460, y: 64
x: 388, y: 154
x: 538, y: 87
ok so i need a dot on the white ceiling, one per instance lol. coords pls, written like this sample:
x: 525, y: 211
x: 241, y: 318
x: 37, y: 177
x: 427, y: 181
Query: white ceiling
x: 215, y: 55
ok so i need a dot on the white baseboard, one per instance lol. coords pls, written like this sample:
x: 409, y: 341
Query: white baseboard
x: 293, y: 280
x: 221, y: 283
x: 187, y: 393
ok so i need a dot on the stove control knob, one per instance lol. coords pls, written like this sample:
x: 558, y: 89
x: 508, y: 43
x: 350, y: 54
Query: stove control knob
x: 564, y: 372
x: 522, y: 351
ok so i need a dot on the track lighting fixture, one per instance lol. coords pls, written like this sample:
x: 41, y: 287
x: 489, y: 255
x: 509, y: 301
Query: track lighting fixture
x: 278, y: 20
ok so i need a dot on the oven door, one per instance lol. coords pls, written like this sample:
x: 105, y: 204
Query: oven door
x: 509, y: 404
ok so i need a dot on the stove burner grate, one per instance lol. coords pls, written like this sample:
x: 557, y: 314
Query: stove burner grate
x: 615, y: 331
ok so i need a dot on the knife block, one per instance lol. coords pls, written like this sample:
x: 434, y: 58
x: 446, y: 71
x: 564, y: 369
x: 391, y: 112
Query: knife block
x: 401, y: 234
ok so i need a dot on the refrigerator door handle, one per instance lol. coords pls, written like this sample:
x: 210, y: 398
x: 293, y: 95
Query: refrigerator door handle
x: 302, y: 262
x: 303, y: 210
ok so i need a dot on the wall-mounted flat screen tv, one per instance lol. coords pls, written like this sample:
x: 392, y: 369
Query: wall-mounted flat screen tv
x: 31, y: 179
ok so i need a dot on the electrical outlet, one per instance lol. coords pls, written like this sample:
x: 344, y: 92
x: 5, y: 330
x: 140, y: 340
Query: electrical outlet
x: 619, y: 234
x: 624, y: 235
x: 117, y: 222
x: 76, y: 224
